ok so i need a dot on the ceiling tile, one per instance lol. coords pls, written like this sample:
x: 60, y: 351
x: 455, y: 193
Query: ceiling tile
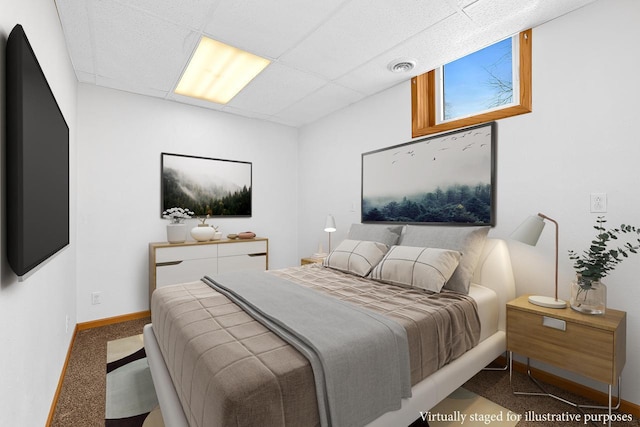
x: 362, y: 30
x: 137, y: 48
x: 189, y: 13
x: 172, y: 96
x: 77, y: 33
x: 119, y: 84
x: 268, y: 28
x: 245, y: 113
x: 275, y: 89
x: 318, y: 104
x: 84, y: 77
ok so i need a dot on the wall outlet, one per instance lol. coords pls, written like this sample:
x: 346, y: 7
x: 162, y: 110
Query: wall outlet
x: 598, y: 202
x: 96, y: 298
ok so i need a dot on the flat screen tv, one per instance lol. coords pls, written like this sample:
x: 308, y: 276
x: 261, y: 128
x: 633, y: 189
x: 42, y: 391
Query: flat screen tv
x: 37, y: 161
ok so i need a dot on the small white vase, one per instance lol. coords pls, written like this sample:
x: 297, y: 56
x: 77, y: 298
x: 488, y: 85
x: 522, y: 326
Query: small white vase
x: 202, y: 232
x: 176, y: 233
x: 217, y: 235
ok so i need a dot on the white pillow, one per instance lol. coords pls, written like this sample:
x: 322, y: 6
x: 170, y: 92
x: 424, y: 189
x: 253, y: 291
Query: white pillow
x: 356, y: 256
x: 424, y: 268
x: 468, y: 240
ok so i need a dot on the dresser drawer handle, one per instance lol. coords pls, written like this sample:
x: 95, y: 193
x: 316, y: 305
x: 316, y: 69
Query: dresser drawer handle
x: 258, y: 254
x: 550, y: 322
x: 164, y: 264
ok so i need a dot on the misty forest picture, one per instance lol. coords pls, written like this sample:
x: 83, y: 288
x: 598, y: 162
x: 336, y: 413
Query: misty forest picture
x: 206, y: 186
x: 442, y: 179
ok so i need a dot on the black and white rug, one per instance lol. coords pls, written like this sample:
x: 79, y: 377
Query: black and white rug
x: 132, y: 401
x: 131, y: 397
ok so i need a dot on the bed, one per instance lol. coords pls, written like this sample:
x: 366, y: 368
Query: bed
x: 492, y: 285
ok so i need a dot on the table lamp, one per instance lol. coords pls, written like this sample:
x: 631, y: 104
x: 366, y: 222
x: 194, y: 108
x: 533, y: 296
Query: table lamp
x: 529, y: 232
x: 330, y: 227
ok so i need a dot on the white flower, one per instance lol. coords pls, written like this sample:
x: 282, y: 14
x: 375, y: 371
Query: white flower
x: 177, y: 215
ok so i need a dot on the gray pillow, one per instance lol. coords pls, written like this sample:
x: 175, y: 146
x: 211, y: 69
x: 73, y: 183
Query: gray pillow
x: 388, y: 235
x: 356, y: 256
x: 469, y: 241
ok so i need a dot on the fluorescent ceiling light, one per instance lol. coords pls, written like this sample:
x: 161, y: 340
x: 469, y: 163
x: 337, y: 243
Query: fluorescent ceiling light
x: 217, y: 72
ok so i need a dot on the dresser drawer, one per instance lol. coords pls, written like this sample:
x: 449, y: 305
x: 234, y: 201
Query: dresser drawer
x: 180, y: 253
x: 189, y: 270
x: 242, y: 262
x: 578, y: 348
x: 242, y: 248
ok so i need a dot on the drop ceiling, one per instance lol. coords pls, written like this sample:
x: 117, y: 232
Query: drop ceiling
x: 326, y: 54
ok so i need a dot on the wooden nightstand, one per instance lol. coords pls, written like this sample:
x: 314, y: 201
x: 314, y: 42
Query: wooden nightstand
x: 311, y: 260
x: 590, y: 345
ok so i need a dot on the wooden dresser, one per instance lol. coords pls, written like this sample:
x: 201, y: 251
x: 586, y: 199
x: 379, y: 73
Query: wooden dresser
x: 171, y: 263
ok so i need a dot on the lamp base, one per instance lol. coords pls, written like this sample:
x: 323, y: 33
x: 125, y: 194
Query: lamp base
x: 548, y: 302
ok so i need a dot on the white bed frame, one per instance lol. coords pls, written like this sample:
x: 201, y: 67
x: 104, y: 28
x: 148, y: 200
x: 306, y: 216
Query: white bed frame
x: 493, y: 271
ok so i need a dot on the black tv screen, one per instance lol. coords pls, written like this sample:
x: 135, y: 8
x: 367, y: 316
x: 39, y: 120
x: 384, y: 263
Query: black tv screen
x: 37, y: 161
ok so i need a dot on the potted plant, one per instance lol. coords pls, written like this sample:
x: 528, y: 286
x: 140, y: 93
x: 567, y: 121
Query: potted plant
x: 588, y: 293
x: 176, y: 229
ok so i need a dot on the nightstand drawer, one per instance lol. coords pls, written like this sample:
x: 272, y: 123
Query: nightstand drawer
x: 579, y: 348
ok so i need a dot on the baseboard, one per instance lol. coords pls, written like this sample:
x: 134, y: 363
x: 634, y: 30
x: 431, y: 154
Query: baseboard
x: 81, y: 327
x: 54, y: 403
x: 573, y: 387
x: 111, y: 320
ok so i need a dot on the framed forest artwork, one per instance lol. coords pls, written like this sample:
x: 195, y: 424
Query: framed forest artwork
x: 446, y: 179
x: 207, y: 186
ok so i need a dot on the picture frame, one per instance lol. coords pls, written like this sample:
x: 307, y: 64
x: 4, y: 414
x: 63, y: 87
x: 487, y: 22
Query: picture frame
x: 206, y: 186
x: 444, y: 179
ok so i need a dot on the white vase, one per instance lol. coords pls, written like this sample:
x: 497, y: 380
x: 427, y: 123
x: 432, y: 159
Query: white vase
x: 176, y: 233
x: 217, y: 235
x: 202, y: 232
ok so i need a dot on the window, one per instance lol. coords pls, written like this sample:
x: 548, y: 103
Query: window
x: 490, y: 84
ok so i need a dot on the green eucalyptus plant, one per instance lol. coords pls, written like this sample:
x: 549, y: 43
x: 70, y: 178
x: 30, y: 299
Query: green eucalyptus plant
x: 599, y: 260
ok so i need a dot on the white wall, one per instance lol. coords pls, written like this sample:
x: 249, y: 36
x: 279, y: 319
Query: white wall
x: 121, y: 136
x: 579, y: 139
x: 33, y: 336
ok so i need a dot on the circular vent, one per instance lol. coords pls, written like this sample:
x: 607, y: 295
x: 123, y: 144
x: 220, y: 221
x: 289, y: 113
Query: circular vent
x: 402, y: 65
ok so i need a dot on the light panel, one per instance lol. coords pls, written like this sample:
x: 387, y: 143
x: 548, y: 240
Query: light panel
x: 217, y: 71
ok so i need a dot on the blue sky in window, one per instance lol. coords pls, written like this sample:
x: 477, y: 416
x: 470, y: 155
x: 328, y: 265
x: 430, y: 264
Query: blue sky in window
x: 467, y: 81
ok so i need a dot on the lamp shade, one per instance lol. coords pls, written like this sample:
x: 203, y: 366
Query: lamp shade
x: 330, y: 225
x: 529, y: 231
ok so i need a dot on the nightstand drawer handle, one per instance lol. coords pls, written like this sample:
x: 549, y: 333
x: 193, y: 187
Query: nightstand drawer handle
x: 550, y: 322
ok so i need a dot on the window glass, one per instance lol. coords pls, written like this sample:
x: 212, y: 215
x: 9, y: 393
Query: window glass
x: 478, y: 82
x: 489, y: 84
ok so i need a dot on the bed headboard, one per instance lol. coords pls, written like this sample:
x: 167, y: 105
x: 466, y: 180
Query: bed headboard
x: 494, y: 271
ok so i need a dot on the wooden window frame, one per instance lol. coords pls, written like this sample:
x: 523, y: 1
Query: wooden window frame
x: 423, y: 98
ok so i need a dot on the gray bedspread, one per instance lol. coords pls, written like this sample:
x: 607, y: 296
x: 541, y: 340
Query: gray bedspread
x: 350, y: 350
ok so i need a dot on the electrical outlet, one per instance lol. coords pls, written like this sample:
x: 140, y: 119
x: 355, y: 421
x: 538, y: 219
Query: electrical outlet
x: 598, y: 202
x: 96, y: 298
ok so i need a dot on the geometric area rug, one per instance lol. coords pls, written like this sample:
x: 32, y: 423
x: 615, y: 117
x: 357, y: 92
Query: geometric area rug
x: 131, y: 397
x: 132, y: 401
x: 463, y: 407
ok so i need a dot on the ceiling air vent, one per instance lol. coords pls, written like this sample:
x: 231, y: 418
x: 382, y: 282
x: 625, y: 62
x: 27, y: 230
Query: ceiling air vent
x: 402, y: 65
